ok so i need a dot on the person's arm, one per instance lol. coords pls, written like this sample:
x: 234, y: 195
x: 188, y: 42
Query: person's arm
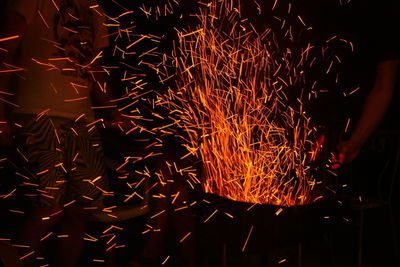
x: 14, y: 26
x: 100, y: 92
x: 99, y: 87
x: 103, y: 97
x: 375, y: 107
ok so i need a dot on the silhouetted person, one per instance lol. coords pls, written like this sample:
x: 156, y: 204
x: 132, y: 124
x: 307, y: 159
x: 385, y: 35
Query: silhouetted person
x: 56, y: 45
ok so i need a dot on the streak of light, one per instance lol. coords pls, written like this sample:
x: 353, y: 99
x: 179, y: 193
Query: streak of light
x: 247, y: 239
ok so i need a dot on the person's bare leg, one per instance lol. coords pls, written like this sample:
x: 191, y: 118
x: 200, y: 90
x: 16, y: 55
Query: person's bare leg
x: 71, y: 243
x: 164, y: 197
x: 38, y: 224
x: 154, y: 247
x: 183, y: 223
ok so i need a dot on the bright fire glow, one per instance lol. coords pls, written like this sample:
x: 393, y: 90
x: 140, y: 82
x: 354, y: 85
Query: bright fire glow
x: 232, y: 100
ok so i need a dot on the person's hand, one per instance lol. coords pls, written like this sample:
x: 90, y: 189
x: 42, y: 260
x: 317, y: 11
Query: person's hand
x: 5, y: 134
x: 120, y: 120
x: 347, y: 151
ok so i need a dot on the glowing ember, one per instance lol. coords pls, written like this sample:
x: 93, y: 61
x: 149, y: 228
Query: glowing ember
x: 232, y: 100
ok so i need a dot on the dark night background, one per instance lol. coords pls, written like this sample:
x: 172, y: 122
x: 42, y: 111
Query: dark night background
x: 373, y: 176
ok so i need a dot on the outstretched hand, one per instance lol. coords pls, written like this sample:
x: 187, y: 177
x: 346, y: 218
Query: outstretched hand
x: 347, y: 151
x: 120, y: 121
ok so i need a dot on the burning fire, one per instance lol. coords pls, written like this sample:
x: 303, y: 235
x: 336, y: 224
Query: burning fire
x: 233, y: 104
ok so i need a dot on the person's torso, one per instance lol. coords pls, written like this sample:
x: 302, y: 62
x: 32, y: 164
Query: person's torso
x: 57, y: 51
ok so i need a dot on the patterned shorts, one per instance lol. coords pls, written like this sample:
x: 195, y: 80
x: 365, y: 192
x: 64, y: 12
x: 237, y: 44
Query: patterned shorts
x: 64, y: 158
